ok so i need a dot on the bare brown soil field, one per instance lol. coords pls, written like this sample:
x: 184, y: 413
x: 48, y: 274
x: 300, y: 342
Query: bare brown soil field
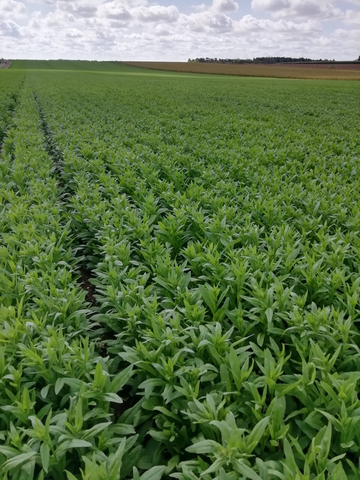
x: 335, y: 66
x: 325, y: 72
x: 5, y: 65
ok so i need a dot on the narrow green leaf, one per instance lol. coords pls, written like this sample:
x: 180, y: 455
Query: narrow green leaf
x: 205, y: 446
x: 17, y: 461
x: 45, y: 455
x: 155, y: 473
x: 246, y: 471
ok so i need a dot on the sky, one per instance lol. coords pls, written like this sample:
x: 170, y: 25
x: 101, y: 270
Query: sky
x: 175, y: 30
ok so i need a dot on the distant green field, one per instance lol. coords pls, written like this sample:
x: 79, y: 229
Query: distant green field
x: 81, y: 65
x: 69, y: 65
x: 179, y: 275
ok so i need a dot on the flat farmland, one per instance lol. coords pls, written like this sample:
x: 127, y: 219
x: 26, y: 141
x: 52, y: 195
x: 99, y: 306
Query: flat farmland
x: 179, y: 275
x: 320, y: 72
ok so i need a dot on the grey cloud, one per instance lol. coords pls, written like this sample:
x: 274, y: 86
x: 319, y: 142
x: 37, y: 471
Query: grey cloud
x: 270, y: 5
x: 225, y: 5
x: 322, y: 9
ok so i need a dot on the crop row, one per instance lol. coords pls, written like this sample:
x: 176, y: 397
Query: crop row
x: 9, y: 86
x: 57, y: 393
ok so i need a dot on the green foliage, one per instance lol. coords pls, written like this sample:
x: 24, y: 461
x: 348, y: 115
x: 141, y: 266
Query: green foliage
x: 10, y: 83
x: 219, y: 221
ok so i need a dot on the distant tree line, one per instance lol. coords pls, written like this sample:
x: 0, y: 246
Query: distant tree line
x: 267, y: 60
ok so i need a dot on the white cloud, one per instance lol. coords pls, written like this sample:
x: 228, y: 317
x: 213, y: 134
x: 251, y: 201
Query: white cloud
x: 200, y: 8
x: 55, y: 20
x: 251, y: 24
x: 115, y: 11
x: 156, y: 13
x: 270, y: 5
x: 162, y: 30
x: 322, y: 9
x: 225, y: 6
x: 74, y: 33
x: 81, y: 8
x: 11, y: 10
x: 9, y: 28
x: 352, y: 17
x: 207, y: 22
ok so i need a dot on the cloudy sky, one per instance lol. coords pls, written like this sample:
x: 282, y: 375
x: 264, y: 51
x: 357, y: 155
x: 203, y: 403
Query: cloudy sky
x: 179, y: 29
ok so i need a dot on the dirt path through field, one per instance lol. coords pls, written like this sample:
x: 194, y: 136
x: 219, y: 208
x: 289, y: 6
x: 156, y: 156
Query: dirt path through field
x: 5, y: 65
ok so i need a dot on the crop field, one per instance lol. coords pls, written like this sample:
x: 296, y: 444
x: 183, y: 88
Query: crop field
x: 318, y: 71
x: 179, y: 275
